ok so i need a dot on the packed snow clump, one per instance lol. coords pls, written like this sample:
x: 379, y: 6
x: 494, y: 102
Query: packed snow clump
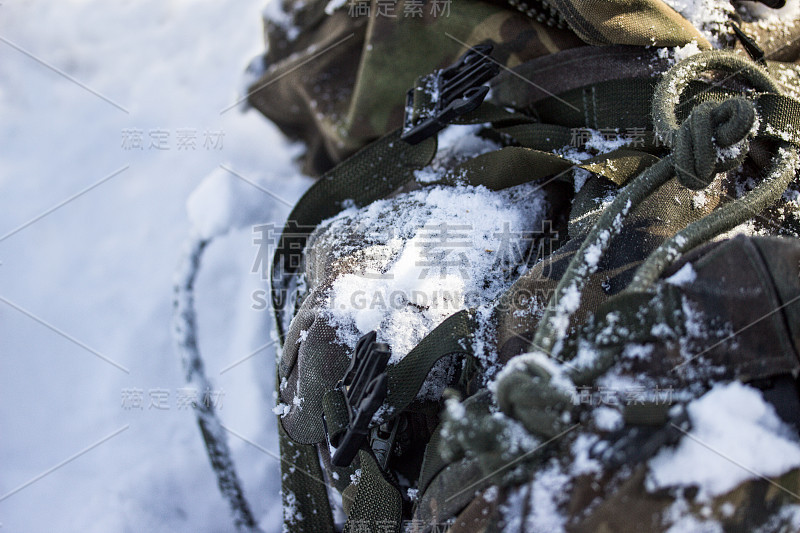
x: 732, y: 426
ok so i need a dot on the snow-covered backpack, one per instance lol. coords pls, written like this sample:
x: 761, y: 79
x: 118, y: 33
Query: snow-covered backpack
x: 551, y: 308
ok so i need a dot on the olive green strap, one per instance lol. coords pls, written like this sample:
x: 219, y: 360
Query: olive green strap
x: 515, y: 165
x: 780, y: 117
x: 377, y: 506
x: 382, y: 167
x: 405, y: 379
x: 306, y: 508
x: 337, y: 415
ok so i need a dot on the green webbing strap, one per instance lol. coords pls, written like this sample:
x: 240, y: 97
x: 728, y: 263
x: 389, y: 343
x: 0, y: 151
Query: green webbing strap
x: 306, y: 508
x: 507, y: 167
x: 495, y: 115
x: 370, y: 174
x: 618, y: 104
x: 337, y: 415
x: 377, y: 506
x: 453, y: 336
x: 546, y: 137
x: 625, y: 105
x: 514, y: 165
x: 621, y: 165
x: 780, y: 117
x: 383, y: 166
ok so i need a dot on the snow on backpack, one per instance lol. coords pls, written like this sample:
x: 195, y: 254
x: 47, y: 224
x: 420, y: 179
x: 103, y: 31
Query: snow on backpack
x: 527, y: 308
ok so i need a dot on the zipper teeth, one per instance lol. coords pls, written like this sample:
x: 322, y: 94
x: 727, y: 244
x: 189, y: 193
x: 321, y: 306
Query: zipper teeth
x: 541, y: 12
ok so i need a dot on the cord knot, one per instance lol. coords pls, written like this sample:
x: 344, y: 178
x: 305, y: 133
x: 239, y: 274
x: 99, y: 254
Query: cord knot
x: 712, y: 140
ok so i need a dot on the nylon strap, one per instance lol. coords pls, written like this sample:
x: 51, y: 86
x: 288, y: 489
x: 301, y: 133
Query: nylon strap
x: 337, y: 415
x: 378, y: 506
x: 432, y: 461
x: 385, y: 165
x: 377, y: 503
x: 514, y: 165
x: 405, y: 379
x: 780, y: 117
x: 306, y: 507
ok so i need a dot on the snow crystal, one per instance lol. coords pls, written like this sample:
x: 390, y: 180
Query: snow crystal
x: 691, y: 524
x: 694, y: 320
x: 593, y: 253
x: 291, y: 513
x: 281, y: 410
x: 579, y: 177
x: 735, y: 426
x: 548, y: 492
x: 604, y: 142
x: 684, y: 276
x: 455, y: 409
x: 595, y: 142
x: 586, y: 356
x: 333, y: 5
x: 570, y: 300
x: 607, y: 418
x: 699, y: 199
x: 535, y: 507
x: 679, y: 53
x: 581, y: 463
x: 558, y: 373
x: 708, y: 16
x: 273, y: 12
x: 516, y: 439
x: 637, y: 351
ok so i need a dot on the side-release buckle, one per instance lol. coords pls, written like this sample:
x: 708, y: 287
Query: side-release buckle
x: 440, y: 97
x: 364, y: 387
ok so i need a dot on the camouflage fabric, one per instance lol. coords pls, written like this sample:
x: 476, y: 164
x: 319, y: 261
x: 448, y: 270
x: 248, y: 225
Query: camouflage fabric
x: 640, y: 22
x: 339, y: 83
x: 758, y: 301
x: 359, y: 62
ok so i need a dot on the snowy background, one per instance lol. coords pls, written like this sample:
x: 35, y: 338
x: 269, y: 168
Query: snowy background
x: 99, y: 268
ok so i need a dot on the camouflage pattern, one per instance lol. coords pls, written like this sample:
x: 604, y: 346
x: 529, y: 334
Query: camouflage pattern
x: 354, y: 91
x: 752, y: 337
x: 340, y: 82
x: 641, y: 23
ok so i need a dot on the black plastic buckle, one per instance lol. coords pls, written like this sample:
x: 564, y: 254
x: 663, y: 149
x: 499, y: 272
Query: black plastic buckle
x: 751, y: 47
x: 447, y: 94
x: 364, y: 386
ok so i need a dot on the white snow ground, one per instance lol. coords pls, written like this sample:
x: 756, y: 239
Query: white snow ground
x: 99, y: 269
